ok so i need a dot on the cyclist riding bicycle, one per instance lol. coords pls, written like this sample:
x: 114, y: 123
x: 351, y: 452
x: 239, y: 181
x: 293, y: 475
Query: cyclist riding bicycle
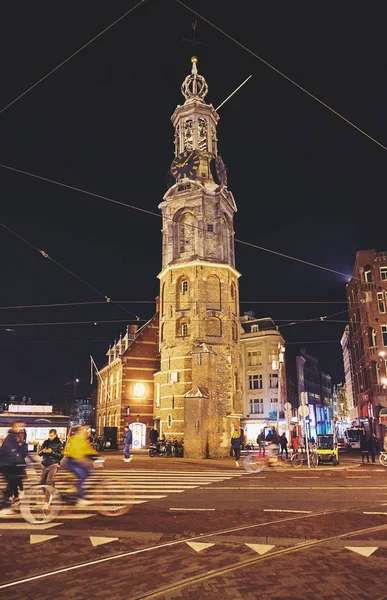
x: 79, y: 453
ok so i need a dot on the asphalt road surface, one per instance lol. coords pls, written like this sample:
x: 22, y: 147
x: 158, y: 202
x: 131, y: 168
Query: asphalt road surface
x: 206, y: 530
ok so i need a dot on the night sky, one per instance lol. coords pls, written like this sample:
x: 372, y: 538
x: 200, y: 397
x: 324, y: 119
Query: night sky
x: 305, y: 183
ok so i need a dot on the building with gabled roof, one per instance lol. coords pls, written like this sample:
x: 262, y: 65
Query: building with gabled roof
x: 125, y: 383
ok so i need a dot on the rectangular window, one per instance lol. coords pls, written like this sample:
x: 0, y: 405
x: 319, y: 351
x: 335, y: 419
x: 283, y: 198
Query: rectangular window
x: 254, y: 357
x: 210, y: 227
x: 273, y: 380
x: 381, y: 303
x: 383, y: 273
x: 255, y: 382
x: 384, y: 334
x: 368, y: 276
x: 256, y: 406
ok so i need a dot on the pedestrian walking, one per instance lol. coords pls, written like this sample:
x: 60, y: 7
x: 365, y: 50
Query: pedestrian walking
x: 284, y: 444
x: 127, y: 443
x: 51, y: 453
x: 295, y: 443
x: 364, y: 447
x: 373, y: 446
x: 13, y: 452
x: 79, y: 453
x: 236, y: 446
x: 153, y: 436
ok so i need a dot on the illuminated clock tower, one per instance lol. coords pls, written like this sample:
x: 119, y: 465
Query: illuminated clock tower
x: 198, y: 387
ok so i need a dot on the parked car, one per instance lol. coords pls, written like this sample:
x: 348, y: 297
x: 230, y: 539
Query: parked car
x: 341, y: 445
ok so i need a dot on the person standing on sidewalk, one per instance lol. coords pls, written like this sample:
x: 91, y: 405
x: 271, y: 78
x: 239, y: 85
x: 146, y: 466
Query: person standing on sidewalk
x: 373, y: 446
x: 12, y: 464
x: 261, y: 443
x: 284, y: 444
x: 236, y: 446
x: 127, y: 443
x: 52, y: 453
x: 364, y: 447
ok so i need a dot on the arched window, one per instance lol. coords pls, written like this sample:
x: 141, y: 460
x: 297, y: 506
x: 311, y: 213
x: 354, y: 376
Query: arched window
x: 182, y: 327
x: 234, y: 300
x: 182, y: 293
x: 162, y: 332
x: 162, y: 300
x: 213, y: 292
x: 157, y: 403
x: 169, y: 421
x: 214, y: 327
x: 202, y: 134
x: 225, y: 244
x: 187, y: 234
x: 234, y: 332
x: 372, y: 337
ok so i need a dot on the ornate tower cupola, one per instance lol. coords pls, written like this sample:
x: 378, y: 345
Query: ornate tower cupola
x: 199, y: 391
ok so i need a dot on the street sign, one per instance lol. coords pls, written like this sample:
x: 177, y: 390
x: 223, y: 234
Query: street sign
x: 288, y: 407
x: 303, y: 410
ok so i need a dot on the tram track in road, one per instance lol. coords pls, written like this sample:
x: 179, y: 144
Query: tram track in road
x: 88, y: 566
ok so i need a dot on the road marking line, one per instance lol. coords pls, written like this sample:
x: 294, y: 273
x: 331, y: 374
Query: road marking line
x: 25, y: 525
x: 192, y: 509
x: 358, y: 477
x: 98, y: 541
x: 374, y: 513
x: 286, y: 511
x: 306, y: 477
x: 37, y: 539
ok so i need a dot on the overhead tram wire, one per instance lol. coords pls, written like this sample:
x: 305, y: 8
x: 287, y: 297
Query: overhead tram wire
x: 300, y: 87
x: 149, y: 212
x: 48, y: 257
x: 70, y: 57
x: 96, y: 302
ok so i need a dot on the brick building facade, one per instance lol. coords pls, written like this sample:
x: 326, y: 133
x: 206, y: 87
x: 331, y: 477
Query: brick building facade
x: 367, y: 306
x: 126, y: 385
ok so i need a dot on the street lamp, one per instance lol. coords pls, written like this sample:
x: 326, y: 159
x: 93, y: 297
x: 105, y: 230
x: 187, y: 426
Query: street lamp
x: 139, y: 390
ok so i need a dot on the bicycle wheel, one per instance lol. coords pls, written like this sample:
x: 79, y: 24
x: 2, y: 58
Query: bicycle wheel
x: 112, y: 498
x: 383, y: 459
x: 40, y: 504
x: 313, y: 459
x: 296, y: 460
x: 253, y: 463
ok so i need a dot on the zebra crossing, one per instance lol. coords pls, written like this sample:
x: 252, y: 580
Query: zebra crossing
x: 129, y: 486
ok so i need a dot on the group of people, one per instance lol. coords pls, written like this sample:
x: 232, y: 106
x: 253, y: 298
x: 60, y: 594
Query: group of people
x: 78, y: 453
x: 271, y: 439
x: 369, y: 445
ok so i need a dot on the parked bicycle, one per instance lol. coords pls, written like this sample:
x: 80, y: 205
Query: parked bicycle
x: 44, y: 503
x: 300, y: 457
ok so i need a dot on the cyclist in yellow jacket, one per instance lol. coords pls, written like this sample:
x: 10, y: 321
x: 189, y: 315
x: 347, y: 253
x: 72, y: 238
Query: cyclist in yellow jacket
x: 79, y: 452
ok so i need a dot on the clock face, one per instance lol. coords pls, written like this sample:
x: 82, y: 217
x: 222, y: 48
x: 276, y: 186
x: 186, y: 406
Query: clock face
x: 185, y: 165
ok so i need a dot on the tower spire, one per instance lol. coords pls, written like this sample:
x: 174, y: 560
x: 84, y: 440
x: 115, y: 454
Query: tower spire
x: 194, y: 85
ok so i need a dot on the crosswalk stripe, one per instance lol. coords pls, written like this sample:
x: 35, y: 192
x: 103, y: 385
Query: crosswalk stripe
x: 132, y: 487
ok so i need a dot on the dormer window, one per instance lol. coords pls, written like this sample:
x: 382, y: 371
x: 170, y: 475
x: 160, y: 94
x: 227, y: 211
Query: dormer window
x: 254, y: 328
